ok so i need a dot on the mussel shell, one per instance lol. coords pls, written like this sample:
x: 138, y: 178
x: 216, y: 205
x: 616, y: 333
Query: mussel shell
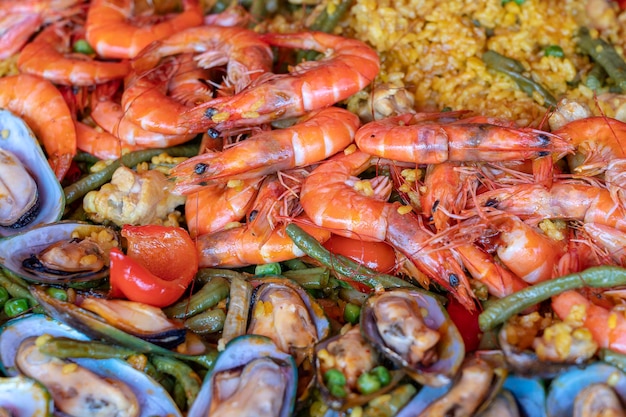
x: 529, y: 393
x: 25, y: 397
x: 17, y: 248
x: 21, y: 141
x: 153, y: 398
x: 565, y: 387
x: 239, y: 352
x: 450, y: 348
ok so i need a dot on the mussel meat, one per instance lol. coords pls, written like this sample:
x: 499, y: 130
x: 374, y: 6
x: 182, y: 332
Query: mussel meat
x: 21, y: 396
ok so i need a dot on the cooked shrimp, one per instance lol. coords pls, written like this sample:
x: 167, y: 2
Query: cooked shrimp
x: 598, y: 140
x: 315, y: 137
x: 615, y: 177
x: 348, y: 66
x: 329, y: 199
x: 609, y: 238
x: 409, y: 138
x: 44, y: 109
x: 212, y: 208
x: 444, y: 193
x: 190, y: 84
x: 607, y: 327
x: 109, y: 115
x: 50, y: 56
x: 564, y: 200
x: 111, y: 31
x: 234, y: 15
x: 234, y: 248
x: 101, y: 143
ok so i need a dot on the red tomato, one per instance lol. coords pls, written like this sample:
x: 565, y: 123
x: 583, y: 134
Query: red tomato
x: 160, y: 264
x: 466, y: 322
x: 375, y: 255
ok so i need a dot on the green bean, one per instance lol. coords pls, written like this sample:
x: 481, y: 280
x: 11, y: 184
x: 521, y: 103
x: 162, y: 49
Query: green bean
x: 235, y: 322
x: 311, y: 278
x: 614, y: 358
x: 268, y: 269
x: 352, y: 296
x: 604, y: 54
x: 596, y: 77
x: 554, y: 50
x: 15, y: 289
x: 295, y: 264
x: 506, y: 66
x: 16, y: 306
x: 343, y: 265
x: 326, y: 22
x: 4, y: 296
x: 184, y: 375
x: 93, y: 181
x: 209, y: 321
x: 85, y: 157
x: 388, y: 405
x: 204, y: 275
x: 62, y: 347
x: 501, y: 310
x: 208, y: 296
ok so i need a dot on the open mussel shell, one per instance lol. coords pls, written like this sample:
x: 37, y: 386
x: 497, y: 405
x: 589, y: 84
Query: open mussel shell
x: 529, y: 394
x: 565, y: 389
x: 449, y: 350
x: 18, y: 139
x: 25, y: 397
x: 251, y: 377
x: 153, y: 399
x: 24, y: 253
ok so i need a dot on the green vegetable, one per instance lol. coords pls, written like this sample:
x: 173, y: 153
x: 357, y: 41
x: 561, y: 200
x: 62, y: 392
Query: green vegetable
x: 596, y: 77
x: 4, y: 296
x: 81, y: 46
x: 554, y: 50
x: 334, y: 377
x: 368, y: 383
x: 268, y: 269
x: 184, y: 375
x: 352, y: 313
x: 62, y: 347
x: 501, y: 310
x: 209, y: 321
x: 604, y: 54
x: 16, y: 306
x: 57, y: 293
x: 316, y: 278
x: 207, y: 297
x: 337, y: 391
x: 382, y: 374
x: 390, y: 405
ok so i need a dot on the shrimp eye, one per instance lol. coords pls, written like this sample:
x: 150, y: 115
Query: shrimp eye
x: 200, y: 168
x: 214, y: 134
x: 435, y: 205
x: 545, y: 139
x: 454, y: 280
x: 210, y: 112
x: 253, y: 215
x: 543, y: 153
x: 492, y: 202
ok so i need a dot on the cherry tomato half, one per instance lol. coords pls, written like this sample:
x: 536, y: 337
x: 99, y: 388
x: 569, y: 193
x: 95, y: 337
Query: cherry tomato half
x: 466, y: 322
x: 375, y: 255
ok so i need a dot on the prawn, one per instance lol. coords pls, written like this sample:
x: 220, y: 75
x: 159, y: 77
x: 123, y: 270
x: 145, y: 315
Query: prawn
x: 410, y: 138
x: 101, y: 143
x: 49, y: 55
x: 145, y: 98
x: 189, y: 84
x: 238, y: 247
x: 347, y: 67
x: 315, y: 137
x: 214, y: 207
x: 572, y: 200
x: 110, y: 29
x: 43, y: 108
x: 609, y: 238
x: 330, y: 201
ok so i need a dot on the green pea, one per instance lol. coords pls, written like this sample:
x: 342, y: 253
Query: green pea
x: 352, y: 313
x: 82, y: 47
x: 334, y: 377
x: 4, y: 296
x: 382, y: 374
x: 554, y: 50
x: 337, y: 391
x: 16, y: 306
x: 268, y: 269
x: 367, y: 383
x: 57, y: 293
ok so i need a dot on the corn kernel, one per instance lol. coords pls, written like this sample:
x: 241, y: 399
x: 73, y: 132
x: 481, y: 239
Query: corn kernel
x: 42, y: 340
x: 404, y: 209
x: 69, y: 368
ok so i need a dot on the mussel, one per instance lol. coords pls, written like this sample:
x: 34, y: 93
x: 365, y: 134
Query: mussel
x: 30, y: 193
x: 63, y: 253
x: 21, y: 396
x: 251, y: 377
x: 19, y: 355
x: 412, y: 329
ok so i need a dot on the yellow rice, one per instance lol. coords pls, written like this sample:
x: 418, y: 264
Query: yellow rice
x: 434, y: 49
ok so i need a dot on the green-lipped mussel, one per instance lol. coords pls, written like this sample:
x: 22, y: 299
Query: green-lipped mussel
x: 22, y: 396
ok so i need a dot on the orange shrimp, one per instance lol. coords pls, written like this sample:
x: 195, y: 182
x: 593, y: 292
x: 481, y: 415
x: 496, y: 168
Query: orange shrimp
x: 348, y: 66
x: 609, y: 238
x: 100, y: 143
x: 211, y: 209
x: 145, y: 99
x: 615, y: 177
x: 607, y: 326
x: 330, y: 201
x: 234, y: 248
x: 50, y: 56
x: 44, y: 109
x: 190, y: 84
x: 109, y: 115
x: 315, y: 137
x: 564, y: 200
x: 111, y: 31
x: 410, y: 138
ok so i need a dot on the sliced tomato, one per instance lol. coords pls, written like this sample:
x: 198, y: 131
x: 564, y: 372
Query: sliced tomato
x: 375, y: 255
x: 466, y: 322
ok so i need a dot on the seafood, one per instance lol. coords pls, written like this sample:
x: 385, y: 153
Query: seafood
x: 32, y: 195
x: 250, y: 377
x: 62, y: 253
x: 113, y: 32
x: 329, y: 199
x: 43, y: 108
x: 415, y: 138
x: 101, y: 143
x: 611, y: 239
x: 313, y: 138
x: 23, y: 396
x: 49, y: 55
x: 427, y: 345
x: 347, y: 67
